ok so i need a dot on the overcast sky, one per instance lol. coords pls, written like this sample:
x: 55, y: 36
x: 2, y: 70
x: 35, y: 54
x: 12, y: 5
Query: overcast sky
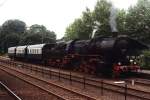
x: 56, y: 15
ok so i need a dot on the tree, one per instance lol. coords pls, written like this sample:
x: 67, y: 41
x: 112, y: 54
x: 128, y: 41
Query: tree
x: 98, y: 20
x: 138, y: 21
x: 88, y: 23
x: 31, y: 39
x: 13, y: 26
x: 38, y: 34
x: 101, y: 15
x: 10, y: 33
x: 10, y: 40
x: 121, y: 21
x: 73, y: 30
x: 37, y: 29
x: 81, y: 28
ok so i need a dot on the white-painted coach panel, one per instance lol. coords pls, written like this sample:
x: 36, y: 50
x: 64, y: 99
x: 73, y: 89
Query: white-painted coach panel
x: 20, y: 49
x: 11, y: 50
x: 35, y: 49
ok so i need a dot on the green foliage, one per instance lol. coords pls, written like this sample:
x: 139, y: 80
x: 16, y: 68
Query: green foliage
x: 101, y: 15
x: 81, y: 28
x: 13, y: 26
x: 121, y: 21
x: 146, y: 60
x: 73, y: 30
x: 32, y: 39
x: 38, y: 34
x: 10, y: 33
x: 138, y: 21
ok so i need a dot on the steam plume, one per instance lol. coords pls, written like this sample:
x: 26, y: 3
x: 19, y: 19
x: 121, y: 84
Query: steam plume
x: 112, y: 19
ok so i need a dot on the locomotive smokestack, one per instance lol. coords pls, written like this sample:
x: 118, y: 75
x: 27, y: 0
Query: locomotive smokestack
x: 115, y: 34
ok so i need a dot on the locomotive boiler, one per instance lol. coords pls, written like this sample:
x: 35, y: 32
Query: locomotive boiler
x: 101, y: 55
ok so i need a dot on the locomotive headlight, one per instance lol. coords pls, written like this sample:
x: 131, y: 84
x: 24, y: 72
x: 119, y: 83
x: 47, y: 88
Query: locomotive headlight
x: 131, y: 60
x: 119, y: 63
x: 134, y: 63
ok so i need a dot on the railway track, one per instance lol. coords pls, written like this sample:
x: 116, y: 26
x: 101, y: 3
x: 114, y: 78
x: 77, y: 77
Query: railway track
x: 140, y: 81
x: 61, y: 92
x: 10, y: 92
x: 91, y: 82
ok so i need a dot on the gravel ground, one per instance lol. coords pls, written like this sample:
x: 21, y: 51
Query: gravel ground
x: 24, y: 90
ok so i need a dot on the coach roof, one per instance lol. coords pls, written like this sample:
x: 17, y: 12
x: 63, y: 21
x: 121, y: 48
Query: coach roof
x: 36, y: 46
x: 21, y: 47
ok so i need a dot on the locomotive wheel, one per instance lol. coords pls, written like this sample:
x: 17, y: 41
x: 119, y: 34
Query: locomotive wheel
x: 92, y: 70
x: 87, y: 68
x: 115, y: 74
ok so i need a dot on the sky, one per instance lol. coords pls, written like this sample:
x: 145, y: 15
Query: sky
x: 56, y: 15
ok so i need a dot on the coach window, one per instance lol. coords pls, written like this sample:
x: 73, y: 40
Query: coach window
x: 37, y: 51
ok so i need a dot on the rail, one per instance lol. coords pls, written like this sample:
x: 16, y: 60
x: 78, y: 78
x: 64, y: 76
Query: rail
x: 67, y: 89
x: 10, y: 92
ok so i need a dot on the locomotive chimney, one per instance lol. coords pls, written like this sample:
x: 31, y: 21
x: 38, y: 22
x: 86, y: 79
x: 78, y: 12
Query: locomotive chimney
x: 115, y: 34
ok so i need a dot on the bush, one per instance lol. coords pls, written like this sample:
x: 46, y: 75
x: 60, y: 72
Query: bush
x: 146, y: 60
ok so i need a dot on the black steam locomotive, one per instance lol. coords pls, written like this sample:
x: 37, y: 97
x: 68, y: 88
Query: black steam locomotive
x: 105, y: 55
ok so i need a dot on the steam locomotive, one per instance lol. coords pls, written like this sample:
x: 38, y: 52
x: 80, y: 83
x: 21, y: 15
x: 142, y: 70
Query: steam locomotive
x: 101, y: 55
